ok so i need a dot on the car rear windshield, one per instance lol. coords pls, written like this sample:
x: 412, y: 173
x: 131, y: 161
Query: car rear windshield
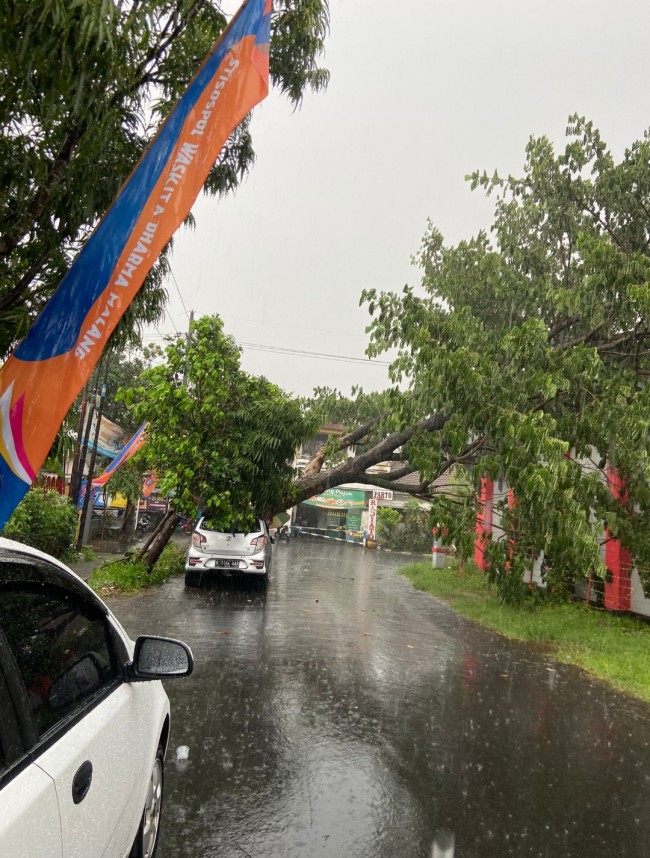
x: 244, y: 527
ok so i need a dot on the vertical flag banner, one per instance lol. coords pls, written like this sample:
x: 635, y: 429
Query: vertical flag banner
x: 41, y: 380
x: 128, y: 450
x: 111, y: 437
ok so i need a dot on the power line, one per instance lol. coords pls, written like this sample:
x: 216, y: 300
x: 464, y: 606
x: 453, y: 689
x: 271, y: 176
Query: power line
x: 249, y: 320
x: 304, y: 353
x: 179, y: 292
x: 171, y: 321
x: 319, y: 355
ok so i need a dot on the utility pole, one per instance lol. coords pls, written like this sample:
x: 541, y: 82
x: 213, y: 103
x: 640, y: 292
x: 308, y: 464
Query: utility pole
x: 80, y: 462
x: 86, y: 517
x: 73, y: 489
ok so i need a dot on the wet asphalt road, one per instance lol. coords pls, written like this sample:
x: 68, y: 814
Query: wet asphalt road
x: 342, y: 713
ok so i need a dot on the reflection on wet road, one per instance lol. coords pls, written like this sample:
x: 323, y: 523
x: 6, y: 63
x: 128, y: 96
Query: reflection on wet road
x: 342, y: 713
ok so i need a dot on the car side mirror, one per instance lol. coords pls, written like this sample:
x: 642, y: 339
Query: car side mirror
x: 160, y: 658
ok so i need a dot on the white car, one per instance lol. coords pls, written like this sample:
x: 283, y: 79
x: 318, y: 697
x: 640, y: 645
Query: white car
x: 84, y: 723
x: 214, y: 553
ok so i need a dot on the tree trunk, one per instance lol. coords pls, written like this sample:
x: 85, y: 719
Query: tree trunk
x: 354, y: 469
x: 162, y: 535
x: 129, y: 515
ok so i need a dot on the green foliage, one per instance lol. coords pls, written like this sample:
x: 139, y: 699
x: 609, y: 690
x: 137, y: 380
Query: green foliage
x: 388, y: 527
x: 406, y: 530
x: 417, y: 528
x: 454, y: 515
x: 124, y: 371
x: 328, y: 405
x: 44, y: 520
x: 531, y: 342
x: 85, y: 85
x: 127, y: 480
x: 123, y: 576
x: 171, y: 561
x: 220, y: 440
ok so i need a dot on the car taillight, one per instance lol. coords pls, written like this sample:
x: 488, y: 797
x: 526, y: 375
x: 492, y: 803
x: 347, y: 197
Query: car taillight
x: 259, y: 541
x: 198, y: 540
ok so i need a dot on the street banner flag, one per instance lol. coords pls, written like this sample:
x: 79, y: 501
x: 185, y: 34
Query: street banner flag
x: 128, y: 450
x: 41, y: 380
x: 111, y: 436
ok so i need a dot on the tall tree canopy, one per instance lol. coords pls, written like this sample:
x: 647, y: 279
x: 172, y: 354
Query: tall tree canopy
x: 220, y: 440
x: 83, y: 87
x: 526, y: 350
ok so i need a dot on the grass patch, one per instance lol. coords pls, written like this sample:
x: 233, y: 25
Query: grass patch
x: 612, y: 647
x: 127, y: 576
x: 171, y: 561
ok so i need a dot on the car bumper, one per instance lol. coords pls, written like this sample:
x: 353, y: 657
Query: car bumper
x: 211, y: 564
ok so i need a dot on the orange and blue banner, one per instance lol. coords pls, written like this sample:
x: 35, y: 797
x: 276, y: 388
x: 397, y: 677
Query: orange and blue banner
x: 41, y: 380
x: 129, y: 449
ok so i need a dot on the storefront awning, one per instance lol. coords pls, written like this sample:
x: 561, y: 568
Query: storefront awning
x: 338, y: 499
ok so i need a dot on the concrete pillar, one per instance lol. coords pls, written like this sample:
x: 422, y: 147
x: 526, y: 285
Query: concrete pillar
x: 617, y: 558
x: 438, y: 552
x: 483, y: 521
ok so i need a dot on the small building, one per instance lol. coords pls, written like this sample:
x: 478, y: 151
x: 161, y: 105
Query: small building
x: 348, y: 511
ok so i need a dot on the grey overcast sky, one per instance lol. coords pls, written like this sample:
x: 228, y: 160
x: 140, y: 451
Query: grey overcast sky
x: 421, y: 93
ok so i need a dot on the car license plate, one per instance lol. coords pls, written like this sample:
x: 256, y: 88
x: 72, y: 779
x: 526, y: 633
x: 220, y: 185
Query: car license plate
x: 227, y: 564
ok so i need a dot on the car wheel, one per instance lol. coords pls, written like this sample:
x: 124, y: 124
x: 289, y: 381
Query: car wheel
x: 192, y: 578
x: 146, y: 841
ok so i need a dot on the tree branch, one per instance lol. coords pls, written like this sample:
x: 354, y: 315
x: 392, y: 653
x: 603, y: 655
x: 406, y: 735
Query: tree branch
x: 315, y: 464
x: 558, y: 327
x: 577, y: 340
x: 36, y: 207
x: 312, y: 483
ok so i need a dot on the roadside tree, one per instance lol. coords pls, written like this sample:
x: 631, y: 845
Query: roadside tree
x: 221, y: 441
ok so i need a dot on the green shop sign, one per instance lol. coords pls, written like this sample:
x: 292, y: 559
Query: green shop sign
x: 338, y: 499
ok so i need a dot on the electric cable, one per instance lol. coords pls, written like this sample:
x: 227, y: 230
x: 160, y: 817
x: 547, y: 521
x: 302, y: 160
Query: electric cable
x: 179, y: 292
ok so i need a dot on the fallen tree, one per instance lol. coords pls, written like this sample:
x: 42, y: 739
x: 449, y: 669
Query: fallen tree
x: 523, y: 354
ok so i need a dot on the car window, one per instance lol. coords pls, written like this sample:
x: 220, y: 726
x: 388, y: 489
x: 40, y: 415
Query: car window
x: 256, y: 526
x: 61, y: 647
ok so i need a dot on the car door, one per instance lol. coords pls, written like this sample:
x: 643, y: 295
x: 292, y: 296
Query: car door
x: 29, y: 813
x: 86, y: 722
